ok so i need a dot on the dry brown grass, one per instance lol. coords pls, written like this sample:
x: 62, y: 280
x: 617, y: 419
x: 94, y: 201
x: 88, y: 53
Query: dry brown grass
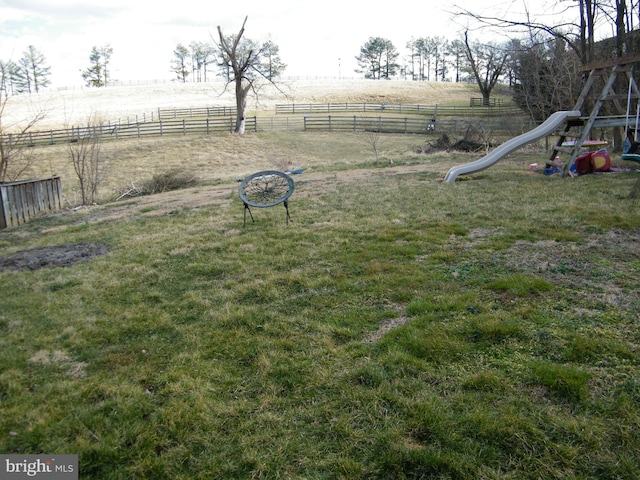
x: 74, y: 107
x: 219, y: 158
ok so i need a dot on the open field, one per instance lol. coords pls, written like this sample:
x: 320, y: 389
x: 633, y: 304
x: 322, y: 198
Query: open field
x: 397, y: 328
x: 75, y: 107
x: 217, y: 157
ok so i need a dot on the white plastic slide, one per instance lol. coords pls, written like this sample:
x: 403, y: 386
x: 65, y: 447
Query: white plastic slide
x: 547, y: 127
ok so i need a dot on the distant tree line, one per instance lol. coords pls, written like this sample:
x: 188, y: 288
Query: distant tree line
x: 29, y: 74
x: 199, y: 60
x: 427, y: 59
x: 542, y: 67
x: 435, y: 59
x: 545, y: 64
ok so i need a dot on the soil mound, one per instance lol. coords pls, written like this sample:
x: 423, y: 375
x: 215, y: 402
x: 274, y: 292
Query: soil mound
x: 54, y: 256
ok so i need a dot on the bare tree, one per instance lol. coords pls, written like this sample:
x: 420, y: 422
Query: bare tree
x: 88, y: 162
x: 487, y: 63
x: 243, y: 64
x: 372, y: 136
x: 578, y: 34
x: 15, y: 155
x: 546, y: 76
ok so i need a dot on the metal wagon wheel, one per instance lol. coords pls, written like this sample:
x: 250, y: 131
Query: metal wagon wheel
x: 266, y: 189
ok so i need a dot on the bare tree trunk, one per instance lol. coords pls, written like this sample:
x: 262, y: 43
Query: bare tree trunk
x: 241, y: 105
x: 621, y: 40
x: 239, y: 66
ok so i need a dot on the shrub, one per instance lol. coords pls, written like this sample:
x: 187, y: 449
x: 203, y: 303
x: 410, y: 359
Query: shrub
x: 173, y: 179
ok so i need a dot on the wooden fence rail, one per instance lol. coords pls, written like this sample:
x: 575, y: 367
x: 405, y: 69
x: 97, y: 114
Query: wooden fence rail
x: 372, y: 124
x: 184, y: 126
x: 494, y: 109
x: 217, y: 124
x: 24, y: 200
x: 412, y: 125
x: 167, y: 113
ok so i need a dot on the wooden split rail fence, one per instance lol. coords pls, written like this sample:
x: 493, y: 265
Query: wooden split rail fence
x: 168, y: 113
x: 208, y: 120
x: 24, y: 200
x: 367, y: 124
x: 182, y: 126
x: 413, y: 125
x: 473, y: 109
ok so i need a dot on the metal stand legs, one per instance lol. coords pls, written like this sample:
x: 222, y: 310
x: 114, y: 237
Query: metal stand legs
x: 246, y: 208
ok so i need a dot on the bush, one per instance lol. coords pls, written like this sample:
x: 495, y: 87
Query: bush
x: 174, y: 179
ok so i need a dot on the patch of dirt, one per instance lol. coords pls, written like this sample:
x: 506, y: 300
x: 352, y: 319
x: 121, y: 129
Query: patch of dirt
x: 563, y: 263
x: 385, y: 327
x: 54, y: 256
x: 59, y: 358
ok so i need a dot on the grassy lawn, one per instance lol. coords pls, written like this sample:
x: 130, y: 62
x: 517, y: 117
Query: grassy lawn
x: 397, y: 328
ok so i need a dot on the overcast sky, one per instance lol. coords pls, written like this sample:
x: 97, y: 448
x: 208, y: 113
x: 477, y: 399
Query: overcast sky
x: 321, y: 40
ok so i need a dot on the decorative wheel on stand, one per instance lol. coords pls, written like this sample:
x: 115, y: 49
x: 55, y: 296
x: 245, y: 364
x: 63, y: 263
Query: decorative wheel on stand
x: 266, y: 189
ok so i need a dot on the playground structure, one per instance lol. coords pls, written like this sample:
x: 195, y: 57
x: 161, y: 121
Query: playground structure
x: 572, y: 124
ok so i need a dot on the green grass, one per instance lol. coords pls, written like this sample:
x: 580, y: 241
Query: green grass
x: 197, y: 348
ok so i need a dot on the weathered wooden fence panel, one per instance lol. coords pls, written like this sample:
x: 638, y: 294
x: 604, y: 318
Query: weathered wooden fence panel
x: 496, y: 108
x: 411, y: 125
x: 169, y: 113
x: 24, y: 200
x: 367, y: 124
x: 205, y: 125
